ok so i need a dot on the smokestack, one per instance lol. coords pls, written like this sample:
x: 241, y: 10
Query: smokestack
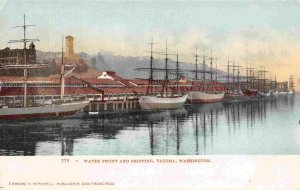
x: 69, y: 47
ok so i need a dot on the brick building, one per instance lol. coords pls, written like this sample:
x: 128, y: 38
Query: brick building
x: 16, y: 56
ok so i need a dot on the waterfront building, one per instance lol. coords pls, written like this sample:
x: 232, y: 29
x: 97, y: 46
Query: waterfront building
x: 16, y: 56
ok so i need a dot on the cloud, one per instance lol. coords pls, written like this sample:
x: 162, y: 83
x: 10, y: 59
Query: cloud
x: 277, y: 51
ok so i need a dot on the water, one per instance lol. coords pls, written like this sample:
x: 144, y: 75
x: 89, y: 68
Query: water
x: 245, y: 128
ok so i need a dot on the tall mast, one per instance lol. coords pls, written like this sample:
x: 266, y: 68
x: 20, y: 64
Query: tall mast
x: 258, y: 81
x: 264, y: 81
x: 177, y: 72
x: 165, y: 87
x: 166, y: 63
x: 25, y: 63
x: 253, y: 78
x: 203, y: 64
x: 24, y: 40
x: 211, y: 58
x: 233, y: 77
x: 247, y: 76
x: 196, y: 66
x: 62, y: 72
x: 228, y: 74
x: 150, y: 87
x: 291, y: 83
x: 272, y: 83
x: 216, y: 77
x: 275, y: 83
x: 238, y: 76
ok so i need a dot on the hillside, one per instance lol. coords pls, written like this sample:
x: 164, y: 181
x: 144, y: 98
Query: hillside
x: 124, y: 66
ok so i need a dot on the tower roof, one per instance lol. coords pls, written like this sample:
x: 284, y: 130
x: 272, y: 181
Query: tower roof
x: 69, y: 37
x: 31, y: 46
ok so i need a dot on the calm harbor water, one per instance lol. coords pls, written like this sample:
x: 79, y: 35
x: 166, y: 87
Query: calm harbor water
x: 245, y: 128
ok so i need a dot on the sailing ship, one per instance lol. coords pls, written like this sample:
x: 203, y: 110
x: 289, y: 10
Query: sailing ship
x: 164, y: 100
x: 62, y: 107
x: 200, y: 95
x: 234, y: 93
x: 250, y: 92
x: 264, y: 90
x: 291, y: 85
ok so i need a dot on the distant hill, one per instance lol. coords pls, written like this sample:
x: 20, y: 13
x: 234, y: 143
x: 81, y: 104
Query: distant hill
x: 123, y: 66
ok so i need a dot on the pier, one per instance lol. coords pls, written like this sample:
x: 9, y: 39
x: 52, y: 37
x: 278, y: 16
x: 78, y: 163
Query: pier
x: 98, y: 107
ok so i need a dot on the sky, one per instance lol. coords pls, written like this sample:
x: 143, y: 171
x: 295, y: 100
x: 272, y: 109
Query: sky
x: 263, y: 33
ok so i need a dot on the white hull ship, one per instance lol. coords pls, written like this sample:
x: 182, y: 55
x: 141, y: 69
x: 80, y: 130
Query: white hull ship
x: 268, y: 94
x: 264, y: 94
x: 198, y: 97
x: 164, y: 100
x: 154, y: 102
x: 282, y: 93
x: 236, y: 97
x: 291, y: 92
x: 203, y: 94
x: 56, y: 108
x: 44, y: 111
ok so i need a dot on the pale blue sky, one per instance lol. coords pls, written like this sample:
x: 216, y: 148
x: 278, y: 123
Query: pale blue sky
x: 125, y: 27
x: 219, y: 19
x: 235, y: 15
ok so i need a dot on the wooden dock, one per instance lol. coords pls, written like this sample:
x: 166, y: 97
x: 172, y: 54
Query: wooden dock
x: 112, y: 106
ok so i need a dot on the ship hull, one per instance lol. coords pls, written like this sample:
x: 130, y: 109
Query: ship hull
x: 196, y: 97
x: 267, y: 94
x: 47, y: 111
x: 235, y: 97
x: 152, y: 102
x: 283, y: 93
x: 249, y: 92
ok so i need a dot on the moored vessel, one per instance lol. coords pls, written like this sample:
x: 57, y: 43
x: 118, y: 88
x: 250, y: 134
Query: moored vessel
x: 198, y: 97
x: 42, y: 111
x: 24, y: 110
x: 165, y: 100
x: 204, y: 91
x: 158, y: 102
x: 250, y: 92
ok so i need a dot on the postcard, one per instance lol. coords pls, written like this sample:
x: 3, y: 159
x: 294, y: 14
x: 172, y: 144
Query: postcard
x: 149, y: 95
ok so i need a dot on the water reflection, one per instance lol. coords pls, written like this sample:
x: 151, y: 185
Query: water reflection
x: 207, y: 129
